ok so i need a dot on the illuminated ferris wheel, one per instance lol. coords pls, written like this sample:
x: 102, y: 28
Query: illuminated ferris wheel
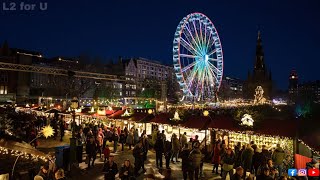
x: 197, y: 57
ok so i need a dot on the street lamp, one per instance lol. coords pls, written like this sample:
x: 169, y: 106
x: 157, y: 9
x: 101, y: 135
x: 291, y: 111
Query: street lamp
x: 73, y: 141
x: 74, y: 106
x: 206, y: 114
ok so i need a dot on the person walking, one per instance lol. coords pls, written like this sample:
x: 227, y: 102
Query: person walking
x: 91, y: 149
x: 228, y: 161
x: 138, y: 158
x: 136, y: 136
x: 237, y: 152
x: 159, y: 148
x: 129, y: 139
x: 62, y: 128
x: 222, y: 152
x: 110, y: 169
x: 115, y: 141
x: 277, y: 157
x: 185, y: 161
x: 99, y: 144
x: 122, y: 140
x: 145, y: 145
x: 175, y: 148
x: 195, y: 158
x: 246, y: 158
x: 216, y: 158
x: 167, y: 153
x: 81, y: 141
x: 183, y: 139
x: 257, y: 160
x: 106, y: 153
x: 266, y: 155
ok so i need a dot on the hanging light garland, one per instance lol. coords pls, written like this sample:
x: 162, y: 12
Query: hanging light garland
x: 8, y: 152
x: 311, y: 149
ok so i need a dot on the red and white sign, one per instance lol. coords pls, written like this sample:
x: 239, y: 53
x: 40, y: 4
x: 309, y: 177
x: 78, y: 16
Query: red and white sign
x: 313, y: 172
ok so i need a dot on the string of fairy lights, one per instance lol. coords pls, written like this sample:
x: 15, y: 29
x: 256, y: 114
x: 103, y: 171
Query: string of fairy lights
x: 24, y: 155
x: 310, y: 148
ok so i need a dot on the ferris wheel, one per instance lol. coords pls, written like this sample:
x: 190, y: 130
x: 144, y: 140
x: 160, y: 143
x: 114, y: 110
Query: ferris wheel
x: 197, y: 57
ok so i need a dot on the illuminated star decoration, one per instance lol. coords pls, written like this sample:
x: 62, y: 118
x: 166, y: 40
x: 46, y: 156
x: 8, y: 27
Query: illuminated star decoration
x: 47, y: 131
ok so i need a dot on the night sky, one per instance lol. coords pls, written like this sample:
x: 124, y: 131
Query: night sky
x: 137, y: 28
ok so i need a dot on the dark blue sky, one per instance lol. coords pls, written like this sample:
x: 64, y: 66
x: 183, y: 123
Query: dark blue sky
x: 112, y: 28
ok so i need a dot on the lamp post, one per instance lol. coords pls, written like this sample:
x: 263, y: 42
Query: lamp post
x: 73, y: 145
x: 206, y: 114
x: 150, y: 111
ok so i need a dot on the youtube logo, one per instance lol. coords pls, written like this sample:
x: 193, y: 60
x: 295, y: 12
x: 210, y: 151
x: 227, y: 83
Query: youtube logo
x: 313, y: 172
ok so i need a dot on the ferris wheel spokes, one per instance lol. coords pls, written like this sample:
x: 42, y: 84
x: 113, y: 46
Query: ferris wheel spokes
x: 197, y: 56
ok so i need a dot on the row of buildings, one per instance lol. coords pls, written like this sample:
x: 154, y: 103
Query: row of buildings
x: 135, y: 77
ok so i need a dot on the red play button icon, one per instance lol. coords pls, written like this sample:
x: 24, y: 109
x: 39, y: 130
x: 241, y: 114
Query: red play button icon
x: 313, y: 172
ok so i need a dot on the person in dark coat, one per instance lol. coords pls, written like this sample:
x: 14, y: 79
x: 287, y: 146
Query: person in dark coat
x: 138, y: 158
x: 126, y: 171
x: 167, y: 153
x: 62, y: 128
x: 110, y: 169
x: 115, y: 141
x: 216, y: 158
x: 91, y: 149
x: 257, y: 160
x: 185, y: 161
x: 266, y: 154
x: 265, y: 175
x: 195, y: 158
x: 238, y: 175
x: 122, y: 139
x: 277, y: 157
x: 145, y: 146
x: 159, y: 148
x: 237, y: 151
x: 44, y: 172
x: 246, y: 158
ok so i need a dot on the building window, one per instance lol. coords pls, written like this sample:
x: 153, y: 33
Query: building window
x: 3, y: 89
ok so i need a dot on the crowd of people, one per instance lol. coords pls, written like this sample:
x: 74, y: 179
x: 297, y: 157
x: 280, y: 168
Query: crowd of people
x: 260, y: 163
x: 239, y: 162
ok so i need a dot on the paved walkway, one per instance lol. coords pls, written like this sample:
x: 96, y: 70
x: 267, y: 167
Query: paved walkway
x: 83, y: 173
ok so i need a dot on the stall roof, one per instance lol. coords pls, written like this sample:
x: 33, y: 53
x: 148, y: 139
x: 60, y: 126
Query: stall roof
x: 286, y: 128
x: 137, y: 117
x: 163, y: 118
x: 117, y: 114
x: 223, y: 122
x: 197, y: 122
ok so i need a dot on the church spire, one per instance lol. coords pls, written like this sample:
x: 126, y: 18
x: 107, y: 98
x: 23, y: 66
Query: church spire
x: 259, y: 61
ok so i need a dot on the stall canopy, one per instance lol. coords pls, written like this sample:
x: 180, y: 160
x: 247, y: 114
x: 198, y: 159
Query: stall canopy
x: 275, y: 127
x: 223, y: 122
x: 137, y: 117
x: 117, y: 114
x: 197, y: 122
x: 163, y: 118
x: 53, y: 111
x: 22, y: 147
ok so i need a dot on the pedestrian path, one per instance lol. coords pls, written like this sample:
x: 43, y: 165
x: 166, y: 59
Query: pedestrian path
x: 96, y: 172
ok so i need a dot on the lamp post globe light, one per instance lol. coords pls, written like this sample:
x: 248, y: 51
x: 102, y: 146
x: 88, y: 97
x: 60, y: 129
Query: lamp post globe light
x: 206, y: 114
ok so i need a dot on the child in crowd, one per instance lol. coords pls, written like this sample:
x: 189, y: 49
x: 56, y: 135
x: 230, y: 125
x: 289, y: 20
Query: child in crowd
x: 106, y: 153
